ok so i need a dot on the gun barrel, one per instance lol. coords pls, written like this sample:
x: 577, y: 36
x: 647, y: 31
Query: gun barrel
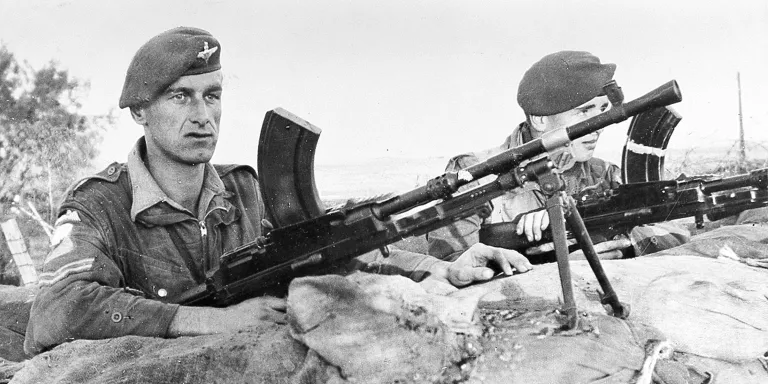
x: 755, y: 179
x: 447, y: 184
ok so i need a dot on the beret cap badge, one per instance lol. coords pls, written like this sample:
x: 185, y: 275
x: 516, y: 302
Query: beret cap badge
x: 206, y: 53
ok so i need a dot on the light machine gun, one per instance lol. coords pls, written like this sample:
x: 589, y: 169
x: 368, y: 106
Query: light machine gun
x: 307, y: 238
x: 617, y: 211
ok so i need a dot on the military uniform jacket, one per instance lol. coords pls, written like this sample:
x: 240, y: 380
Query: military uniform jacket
x: 123, y: 249
x: 592, y: 176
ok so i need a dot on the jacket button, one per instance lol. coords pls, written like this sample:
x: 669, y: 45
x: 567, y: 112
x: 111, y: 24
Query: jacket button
x: 117, y: 317
x: 162, y: 292
x: 111, y: 171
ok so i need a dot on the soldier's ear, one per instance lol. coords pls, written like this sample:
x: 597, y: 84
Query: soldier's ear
x: 538, y: 123
x: 139, y: 115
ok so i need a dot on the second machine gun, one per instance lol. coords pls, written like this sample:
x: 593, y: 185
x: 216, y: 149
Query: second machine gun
x: 616, y: 211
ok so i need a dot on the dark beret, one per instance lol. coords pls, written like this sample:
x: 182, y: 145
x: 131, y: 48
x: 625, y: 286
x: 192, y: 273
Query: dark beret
x: 562, y: 81
x: 164, y: 59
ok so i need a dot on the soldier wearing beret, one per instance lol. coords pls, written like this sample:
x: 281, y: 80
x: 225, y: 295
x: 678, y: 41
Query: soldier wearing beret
x: 133, y: 237
x: 561, y: 89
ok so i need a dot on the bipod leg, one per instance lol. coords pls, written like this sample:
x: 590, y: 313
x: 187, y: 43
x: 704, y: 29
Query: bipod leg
x: 608, y: 296
x: 555, y: 209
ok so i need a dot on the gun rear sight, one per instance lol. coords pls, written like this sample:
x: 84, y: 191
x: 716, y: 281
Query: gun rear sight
x: 614, y: 93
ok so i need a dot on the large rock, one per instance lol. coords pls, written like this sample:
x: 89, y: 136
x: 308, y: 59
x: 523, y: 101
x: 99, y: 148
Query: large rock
x: 15, y: 303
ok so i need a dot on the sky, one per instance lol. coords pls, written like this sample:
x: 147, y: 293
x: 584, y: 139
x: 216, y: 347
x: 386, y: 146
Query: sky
x: 411, y: 78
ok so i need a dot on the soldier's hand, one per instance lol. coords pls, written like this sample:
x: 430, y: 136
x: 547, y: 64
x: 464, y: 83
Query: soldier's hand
x: 259, y: 309
x: 532, y: 223
x: 475, y: 264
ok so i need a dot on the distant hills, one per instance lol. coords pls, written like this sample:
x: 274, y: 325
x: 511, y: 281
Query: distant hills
x: 376, y: 176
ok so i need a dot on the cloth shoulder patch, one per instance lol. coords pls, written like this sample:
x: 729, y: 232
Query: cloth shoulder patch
x: 61, y: 262
x: 63, y: 227
x: 68, y: 217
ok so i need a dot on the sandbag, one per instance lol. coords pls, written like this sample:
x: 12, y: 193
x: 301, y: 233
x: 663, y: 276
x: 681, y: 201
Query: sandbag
x: 371, y: 328
x: 712, y: 310
x: 745, y: 240
x: 388, y: 329
x: 261, y: 355
x: 380, y: 335
x: 753, y: 216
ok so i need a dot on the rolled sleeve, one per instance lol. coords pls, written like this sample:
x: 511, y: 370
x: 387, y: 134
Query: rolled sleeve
x: 415, y: 266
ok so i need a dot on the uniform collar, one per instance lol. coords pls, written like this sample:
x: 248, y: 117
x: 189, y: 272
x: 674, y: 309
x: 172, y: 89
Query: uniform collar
x: 150, y: 202
x: 520, y: 135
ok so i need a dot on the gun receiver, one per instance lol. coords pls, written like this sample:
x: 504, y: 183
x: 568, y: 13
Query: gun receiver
x: 618, y: 210
x: 308, y: 239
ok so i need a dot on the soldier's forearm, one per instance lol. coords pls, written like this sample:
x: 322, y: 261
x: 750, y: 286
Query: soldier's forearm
x: 195, y: 321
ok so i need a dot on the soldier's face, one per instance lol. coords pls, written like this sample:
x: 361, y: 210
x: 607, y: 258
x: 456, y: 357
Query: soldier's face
x: 583, y: 148
x: 182, y: 123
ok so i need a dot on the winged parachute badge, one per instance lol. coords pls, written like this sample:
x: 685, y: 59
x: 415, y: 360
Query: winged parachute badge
x: 206, y: 53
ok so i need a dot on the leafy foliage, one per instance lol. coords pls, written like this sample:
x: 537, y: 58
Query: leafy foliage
x: 45, y: 141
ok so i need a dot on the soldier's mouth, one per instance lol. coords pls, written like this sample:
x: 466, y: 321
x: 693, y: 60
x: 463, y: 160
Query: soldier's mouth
x: 199, y: 135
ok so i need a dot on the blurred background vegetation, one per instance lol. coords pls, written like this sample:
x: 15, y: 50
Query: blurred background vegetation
x: 46, y: 143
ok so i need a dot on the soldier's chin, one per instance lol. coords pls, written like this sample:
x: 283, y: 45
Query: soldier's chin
x: 583, y: 155
x: 199, y: 158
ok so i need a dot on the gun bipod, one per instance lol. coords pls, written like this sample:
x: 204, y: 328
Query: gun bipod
x: 561, y: 208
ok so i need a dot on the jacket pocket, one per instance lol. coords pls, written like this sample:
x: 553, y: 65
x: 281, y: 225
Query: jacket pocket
x: 158, y: 279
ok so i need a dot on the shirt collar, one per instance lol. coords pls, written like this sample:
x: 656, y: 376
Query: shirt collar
x: 516, y: 138
x: 146, y: 192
